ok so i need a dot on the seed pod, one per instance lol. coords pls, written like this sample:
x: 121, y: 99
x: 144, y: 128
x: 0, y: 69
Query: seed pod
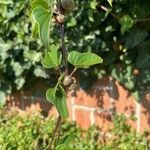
x: 136, y: 72
x: 68, y: 80
x: 60, y: 18
x: 67, y: 4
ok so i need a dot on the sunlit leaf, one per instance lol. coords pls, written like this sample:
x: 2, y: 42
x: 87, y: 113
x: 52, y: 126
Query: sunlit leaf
x: 57, y: 97
x: 52, y: 58
x: 64, y: 147
x: 83, y: 60
x: 50, y: 95
x: 93, y: 4
x: 110, y: 2
x: 2, y: 98
x: 126, y: 23
x: 43, y: 18
x: 60, y: 102
x: 42, y: 3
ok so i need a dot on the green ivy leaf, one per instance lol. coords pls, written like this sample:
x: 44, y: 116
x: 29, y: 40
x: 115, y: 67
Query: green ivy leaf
x: 57, y: 97
x: 52, y: 58
x: 126, y: 23
x: 2, y: 98
x: 136, y: 95
x: 83, y: 60
x: 110, y: 2
x: 43, y: 18
x: 135, y: 38
x: 93, y: 4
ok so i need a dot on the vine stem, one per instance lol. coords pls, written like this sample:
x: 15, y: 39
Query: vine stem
x: 63, y: 47
x: 117, y: 17
x: 64, y: 53
x: 74, y: 70
x: 57, y: 127
x: 107, y: 10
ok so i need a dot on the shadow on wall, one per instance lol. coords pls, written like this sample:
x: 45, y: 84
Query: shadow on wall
x: 32, y: 99
x: 104, y: 96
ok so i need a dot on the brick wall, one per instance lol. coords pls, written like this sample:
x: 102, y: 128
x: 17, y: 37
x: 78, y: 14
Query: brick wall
x: 92, y: 107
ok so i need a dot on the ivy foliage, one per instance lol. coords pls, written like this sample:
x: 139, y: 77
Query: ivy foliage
x: 117, y: 30
x: 20, y: 54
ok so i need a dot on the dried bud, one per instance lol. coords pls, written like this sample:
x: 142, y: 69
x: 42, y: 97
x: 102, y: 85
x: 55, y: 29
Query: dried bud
x: 68, y: 80
x: 60, y: 18
x: 136, y: 72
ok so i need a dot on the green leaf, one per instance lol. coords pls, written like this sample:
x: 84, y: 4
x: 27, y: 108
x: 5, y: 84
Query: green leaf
x: 93, y: 4
x: 35, y: 30
x: 50, y: 95
x: 129, y: 84
x: 64, y: 147
x: 41, y: 3
x: 2, y: 98
x: 52, y: 58
x: 126, y: 23
x: 57, y: 97
x: 69, y: 138
x: 136, y: 95
x: 43, y: 18
x: 60, y: 102
x: 110, y: 2
x: 83, y: 60
x: 135, y: 38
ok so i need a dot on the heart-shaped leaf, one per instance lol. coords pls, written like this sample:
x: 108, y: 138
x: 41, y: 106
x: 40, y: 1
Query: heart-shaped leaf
x: 57, y: 97
x: 83, y: 60
x: 43, y: 18
x: 52, y: 58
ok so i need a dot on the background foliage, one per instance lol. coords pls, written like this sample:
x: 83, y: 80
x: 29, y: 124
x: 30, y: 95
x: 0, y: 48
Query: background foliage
x: 119, y: 34
x: 33, y: 131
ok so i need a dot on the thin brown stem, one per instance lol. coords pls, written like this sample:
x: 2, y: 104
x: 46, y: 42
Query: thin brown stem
x: 116, y: 16
x: 55, y: 131
x: 63, y: 47
x: 60, y: 72
x: 142, y: 20
x: 73, y: 71
x: 58, y: 133
x: 107, y: 10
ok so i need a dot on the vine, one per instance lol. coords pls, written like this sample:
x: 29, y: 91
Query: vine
x: 45, y: 14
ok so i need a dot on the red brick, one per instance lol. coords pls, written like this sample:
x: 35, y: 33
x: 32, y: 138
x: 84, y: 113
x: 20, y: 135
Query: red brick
x: 83, y: 118
x: 145, y: 113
